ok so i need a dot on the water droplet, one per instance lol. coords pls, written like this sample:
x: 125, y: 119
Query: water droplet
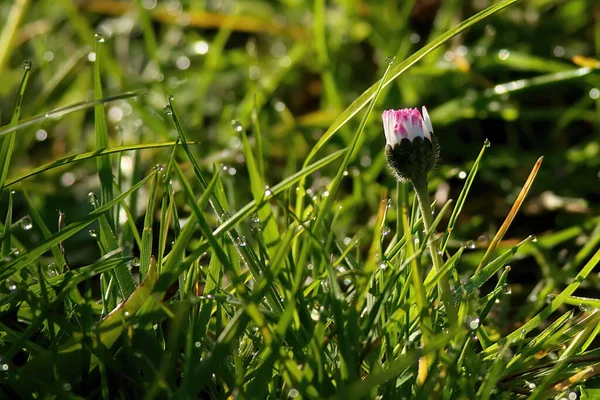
x: 474, y: 323
x: 197, y: 344
x: 167, y: 109
x: 315, y: 315
x: 158, y: 168
x: 584, y: 307
x: 503, y: 54
x: 507, y: 268
x: 462, y: 175
x: 390, y: 60
x: 93, y: 233
x: 268, y: 192
x: 572, y: 396
x: 534, y: 239
x: 470, y: 245
x: 25, y: 223
x: 293, y: 393
x: 382, y: 266
x: 170, y: 97
x: 26, y: 65
x: 99, y: 38
x: 51, y: 270
x: 506, y: 289
x: 135, y: 262
x: 237, y: 125
x: 522, y: 333
x: 241, y: 241
x: 67, y: 386
x: 126, y: 314
x: 4, y: 367
x: 487, y: 143
x: 550, y: 298
x: 386, y: 230
x: 92, y: 199
x: 531, y: 385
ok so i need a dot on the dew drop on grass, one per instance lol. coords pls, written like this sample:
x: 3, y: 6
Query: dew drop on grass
x: 92, y: 199
x: 25, y: 223
x: 26, y: 65
x: 237, y: 125
x: 4, y: 367
x: 66, y: 387
x: 584, y: 307
x: 550, y: 298
x: 534, y: 239
x: 390, y: 60
x: 507, y: 268
x: 135, y: 262
x: 293, y: 393
x: 487, y: 143
x: 474, y: 323
x: 470, y: 245
x: 170, y: 97
x: 462, y: 175
x: 93, y: 233
x: 506, y: 289
x: 197, y: 344
x: 99, y: 38
x: 268, y: 191
x: 167, y: 109
x: 158, y: 168
x: 386, y: 230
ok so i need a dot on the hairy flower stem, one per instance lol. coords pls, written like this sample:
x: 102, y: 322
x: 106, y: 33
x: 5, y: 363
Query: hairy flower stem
x: 420, y: 186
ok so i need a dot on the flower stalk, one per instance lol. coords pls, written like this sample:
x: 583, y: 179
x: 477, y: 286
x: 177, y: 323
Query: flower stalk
x: 412, y: 151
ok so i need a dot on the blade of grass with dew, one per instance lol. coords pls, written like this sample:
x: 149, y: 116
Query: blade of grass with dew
x: 368, y: 95
x: 62, y: 111
x: 462, y: 197
x: 553, y: 306
x: 484, y: 274
x: 337, y: 180
x: 39, y: 222
x: 511, y: 215
x: 104, y: 164
x: 125, y: 282
x: 8, y: 142
x: 6, y: 238
x: 146, y: 249
x: 172, y: 267
x: 270, y: 232
x: 32, y: 254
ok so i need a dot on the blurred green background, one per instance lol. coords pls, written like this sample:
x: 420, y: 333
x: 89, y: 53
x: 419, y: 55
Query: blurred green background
x: 526, y: 78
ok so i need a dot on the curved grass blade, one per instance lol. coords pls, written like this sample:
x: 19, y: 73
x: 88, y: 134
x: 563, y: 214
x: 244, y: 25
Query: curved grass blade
x: 146, y: 250
x: 62, y: 111
x: 8, y: 142
x: 86, y: 156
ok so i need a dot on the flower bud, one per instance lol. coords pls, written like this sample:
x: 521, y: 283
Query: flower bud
x: 411, y: 147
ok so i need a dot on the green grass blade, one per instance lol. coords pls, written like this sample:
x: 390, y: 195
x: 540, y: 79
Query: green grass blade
x: 462, y: 197
x: 8, y: 142
x: 85, y: 156
x: 62, y: 111
x: 146, y: 249
x: 102, y: 141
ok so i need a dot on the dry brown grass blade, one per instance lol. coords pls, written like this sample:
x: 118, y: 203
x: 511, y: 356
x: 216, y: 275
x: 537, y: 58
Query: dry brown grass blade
x: 199, y: 19
x: 580, y: 376
x: 511, y: 215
